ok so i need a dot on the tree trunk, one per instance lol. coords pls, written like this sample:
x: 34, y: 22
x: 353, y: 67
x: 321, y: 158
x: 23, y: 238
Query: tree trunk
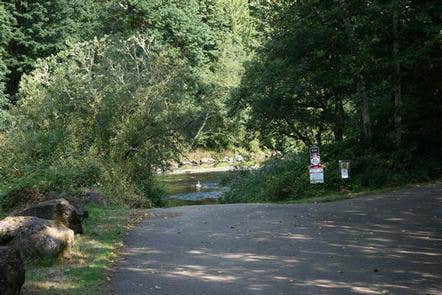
x: 356, y: 67
x: 339, y: 120
x: 203, y: 125
x: 365, y: 113
x: 397, y: 87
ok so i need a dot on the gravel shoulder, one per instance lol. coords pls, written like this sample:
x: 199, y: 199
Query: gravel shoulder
x: 388, y: 243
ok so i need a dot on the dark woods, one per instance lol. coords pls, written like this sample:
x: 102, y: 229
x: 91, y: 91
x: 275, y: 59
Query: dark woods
x: 105, y: 93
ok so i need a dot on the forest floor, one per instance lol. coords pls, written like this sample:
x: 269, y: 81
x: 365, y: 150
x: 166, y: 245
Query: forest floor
x: 382, y: 243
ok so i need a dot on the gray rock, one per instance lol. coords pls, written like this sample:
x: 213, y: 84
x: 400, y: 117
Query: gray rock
x: 76, y: 202
x: 59, y: 210
x: 239, y: 158
x: 94, y: 197
x: 36, y: 237
x: 207, y: 161
x: 12, y: 271
x: 185, y: 163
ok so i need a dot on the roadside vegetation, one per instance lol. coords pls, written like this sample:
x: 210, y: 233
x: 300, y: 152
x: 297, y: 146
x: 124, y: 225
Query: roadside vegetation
x: 361, y: 80
x: 107, y: 106
x: 102, y: 95
x: 86, y: 272
x: 287, y: 179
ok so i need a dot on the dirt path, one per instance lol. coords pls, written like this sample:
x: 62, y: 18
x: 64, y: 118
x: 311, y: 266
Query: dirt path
x: 381, y: 244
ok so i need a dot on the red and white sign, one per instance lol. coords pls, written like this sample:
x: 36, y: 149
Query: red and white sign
x: 316, y: 174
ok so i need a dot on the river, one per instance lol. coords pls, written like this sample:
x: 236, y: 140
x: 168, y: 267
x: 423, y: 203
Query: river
x: 193, y: 188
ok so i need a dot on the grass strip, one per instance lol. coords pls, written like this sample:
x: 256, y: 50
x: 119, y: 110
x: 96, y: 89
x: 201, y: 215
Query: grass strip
x: 93, y: 254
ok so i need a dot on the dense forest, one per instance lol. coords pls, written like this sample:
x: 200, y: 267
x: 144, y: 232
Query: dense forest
x: 103, y: 93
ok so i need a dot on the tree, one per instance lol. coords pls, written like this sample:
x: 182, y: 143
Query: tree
x: 6, y: 34
x: 119, y: 109
x: 212, y: 36
x: 297, y: 86
x: 40, y: 29
x: 345, y: 70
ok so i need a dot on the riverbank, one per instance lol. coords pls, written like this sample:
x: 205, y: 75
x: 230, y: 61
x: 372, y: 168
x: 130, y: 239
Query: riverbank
x: 209, y: 169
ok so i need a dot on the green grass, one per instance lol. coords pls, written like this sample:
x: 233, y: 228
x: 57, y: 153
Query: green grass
x: 93, y: 254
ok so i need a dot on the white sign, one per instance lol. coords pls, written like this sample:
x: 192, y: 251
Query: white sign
x: 344, y: 173
x: 315, y: 159
x: 344, y: 166
x: 316, y: 174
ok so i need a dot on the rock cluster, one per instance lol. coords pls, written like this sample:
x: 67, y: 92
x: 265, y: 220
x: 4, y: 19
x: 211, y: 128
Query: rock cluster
x: 236, y: 159
x: 59, y: 210
x: 41, y: 230
x: 36, y: 237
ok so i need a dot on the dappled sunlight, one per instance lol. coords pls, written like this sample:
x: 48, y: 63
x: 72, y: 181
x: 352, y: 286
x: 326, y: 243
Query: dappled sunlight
x: 49, y: 285
x: 328, y: 284
x: 246, y: 257
x: 201, y: 273
x: 258, y: 287
x: 362, y: 249
x: 135, y: 251
x: 292, y: 236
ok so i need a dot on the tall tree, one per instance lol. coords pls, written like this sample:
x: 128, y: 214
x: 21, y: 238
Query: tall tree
x: 213, y: 36
x: 325, y: 63
x: 6, y: 34
x: 397, y: 87
x: 41, y: 28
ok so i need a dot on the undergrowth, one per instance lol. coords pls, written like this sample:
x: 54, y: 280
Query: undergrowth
x: 287, y: 178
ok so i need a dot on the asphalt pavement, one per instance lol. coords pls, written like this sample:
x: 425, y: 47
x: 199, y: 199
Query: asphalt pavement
x: 388, y: 243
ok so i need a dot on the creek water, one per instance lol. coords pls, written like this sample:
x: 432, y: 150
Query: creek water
x: 183, y: 189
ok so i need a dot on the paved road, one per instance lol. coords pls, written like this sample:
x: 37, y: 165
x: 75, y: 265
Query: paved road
x: 381, y: 244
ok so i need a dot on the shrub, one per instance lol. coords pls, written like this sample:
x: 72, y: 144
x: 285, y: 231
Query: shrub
x: 288, y: 178
x: 106, y: 113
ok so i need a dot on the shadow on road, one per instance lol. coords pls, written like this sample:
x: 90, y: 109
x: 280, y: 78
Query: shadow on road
x: 385, y: 244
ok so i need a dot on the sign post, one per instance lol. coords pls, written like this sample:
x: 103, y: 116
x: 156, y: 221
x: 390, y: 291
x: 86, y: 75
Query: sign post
x: 344, y: 166
x: 316, y: 170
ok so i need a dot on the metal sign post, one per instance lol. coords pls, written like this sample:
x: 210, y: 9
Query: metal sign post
x: 316, y: 170
x: 315, y: 157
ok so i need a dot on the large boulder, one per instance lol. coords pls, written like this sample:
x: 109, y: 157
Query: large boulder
x: 94, y: 197
x: 59, y: 210
x: 12, y: 271
x: 76, y: 202
x: 36, y: 237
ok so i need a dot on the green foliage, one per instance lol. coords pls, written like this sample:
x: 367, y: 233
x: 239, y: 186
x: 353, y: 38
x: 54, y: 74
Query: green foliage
x: 212, y: 74
x: 40, y: 28
x: 120, y: 107
x: 321, y: 59
x: 287, y: 179
x: 211, y: 36
x: 345, y: 75
x: 6, y: 33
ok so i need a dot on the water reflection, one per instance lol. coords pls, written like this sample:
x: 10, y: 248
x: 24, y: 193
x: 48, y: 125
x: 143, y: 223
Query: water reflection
x: 195, y: 186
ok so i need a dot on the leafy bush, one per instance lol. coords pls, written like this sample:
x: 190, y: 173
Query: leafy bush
x: 106, y: 113
x: 288, y: 179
